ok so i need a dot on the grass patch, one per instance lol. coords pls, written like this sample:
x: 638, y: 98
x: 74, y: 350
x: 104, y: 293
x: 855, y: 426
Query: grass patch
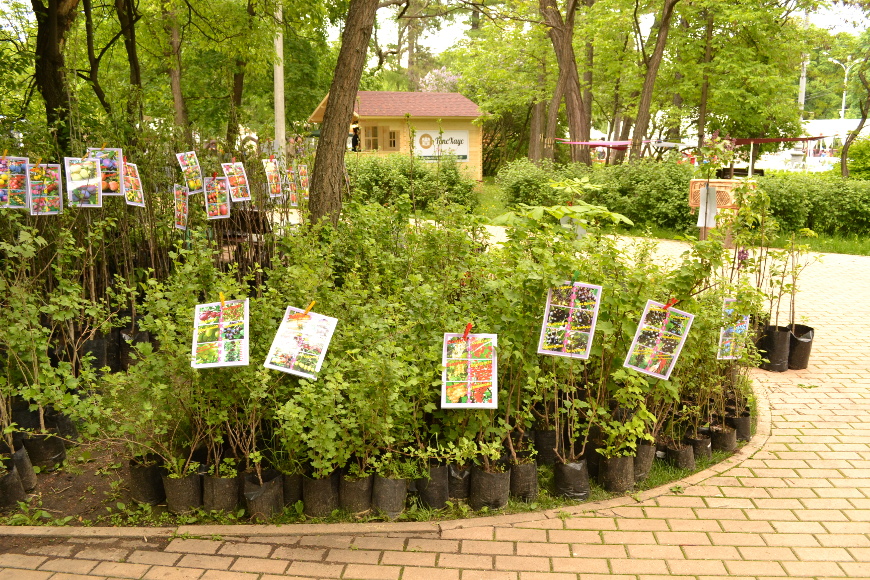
x: 489, y: 196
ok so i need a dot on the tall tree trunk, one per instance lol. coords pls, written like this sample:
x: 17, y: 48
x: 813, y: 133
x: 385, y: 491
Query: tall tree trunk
x: 327, y: 178
x: 54, y: 19
x: 865, y: 111
x: 536, y: 131
x: 619, y: 154
x: 674, y: 131
x: 237, y: 92
x: 552, y: 121
x: 127, y: 17
x: 705, y: 81
x: 561, y: 33
x: 586, y: 129
x: 93, y: 76
x: 173, y: 56
x: 643, y: 110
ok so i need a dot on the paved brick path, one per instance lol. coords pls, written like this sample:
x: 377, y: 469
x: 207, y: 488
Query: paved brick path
x: 794, y: 503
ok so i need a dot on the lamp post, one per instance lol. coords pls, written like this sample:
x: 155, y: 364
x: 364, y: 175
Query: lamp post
x: 846, y: 68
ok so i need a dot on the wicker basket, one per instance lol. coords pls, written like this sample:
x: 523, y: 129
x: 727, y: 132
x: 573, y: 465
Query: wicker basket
x: 724, y: 189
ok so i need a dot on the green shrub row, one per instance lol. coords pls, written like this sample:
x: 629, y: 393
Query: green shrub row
x: 656, y: 193
x: 384, y: 180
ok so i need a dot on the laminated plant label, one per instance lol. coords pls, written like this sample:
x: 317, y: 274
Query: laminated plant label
x: 273, y: 178
x: 133, y: 192
x: 569, y: 320
x: 45, y: 195
x: 217, y: 198
x: 83, y: 179
x: 180, y: 195
x: 659, y: 339
x: 238, y: 181
x: 292, y: 190
x: 191, y: 170
x: 302, y: 171
x: 13, y: 182
x: 731, y: 338
x: 220, y: 334
x: 301, y: 342
x: 111, y: 162
x: 470, y: 376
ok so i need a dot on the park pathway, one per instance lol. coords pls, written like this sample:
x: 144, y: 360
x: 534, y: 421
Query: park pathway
x: 793, y: 503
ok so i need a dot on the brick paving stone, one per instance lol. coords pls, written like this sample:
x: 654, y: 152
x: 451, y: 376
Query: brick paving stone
x: 260, y: 565
x: 61, y: 551
x: 172, y: 573
x: 522, y: 563
x: 153, y: 557
x: 683, y: 538
x: 193, y: 546
x: 434, y: 545
x: 251, y: 550
x: 581, y: 565
x: 488, y: 575
x: 430, y: 574
x: 21, y: 561
x: 308, y: 554
x: 120, y: 570
x: 543, y: 549
x: 655, y: 552
x: 409, y: 558
x: 598, y: 551
x: 578, y: 536
x: 465, y: 561
x: 814, y: 568
x: 369, y: 572
x: 326, y: 541
x: 637, y: 525
x: 226, y: 575
x: 482, y: 533
x: 547, y: 576
x: 486, y: 547
x: 696, y: 567
x: 16, y: 574
x: 353, y: 556
x: 68, y: 576
x: 69, y: 565
x: 365, y: 543
x: 639, y: 566
x: 204, y: 561
x: 315, y: 569
x: 694, y: 526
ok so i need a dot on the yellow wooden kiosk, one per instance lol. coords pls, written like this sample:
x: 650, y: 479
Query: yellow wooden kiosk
x: 442, y: 124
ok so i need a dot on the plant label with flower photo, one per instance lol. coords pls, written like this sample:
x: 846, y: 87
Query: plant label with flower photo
x: 180, y: 194
x: 220, y: 334
x: 301, y: 342
x: 191, y: 170
x: 45, y: 195
x: 732, y: 337
x: 133, y: 192
x: 13, y: 182
x: 83, y: 178
x: 217, y: 198
x: 569, y: 320
x: 238, y: 181
x: 469, y: 379
x: 292, y: 189
x: 111, y: 163
x: 659, y: 339
x: 302, y: 171
x: 273, y: 178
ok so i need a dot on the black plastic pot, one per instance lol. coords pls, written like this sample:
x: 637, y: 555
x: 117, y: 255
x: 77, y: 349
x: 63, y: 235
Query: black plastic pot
x: 128, y: 338
x: 46, y: 451
x: 775, y: 347
x: 11, y: 490
x: 616, y: 473
x: 183, y: 494
x: 681, y: 456
x: 262, y: 501
x: 545, y: 445
x: 701, y: 446
x: 800, y: 346
x: 742, y: 425
x: 490, y: 490
x: 355, y: 495
x: 724, y: 438
x: 643, y: 460
x: 146, y: 481
x: 572, y: 480
x: 434, y: 490
x: 26, y: 473
x: 389, y: 495
x: 458, y: 481
x: 63, y: 426
x: 220, y: 493
x: 292, y: 489
x: 320, y: 496
x: 524, y: 481
x: 593, y: 458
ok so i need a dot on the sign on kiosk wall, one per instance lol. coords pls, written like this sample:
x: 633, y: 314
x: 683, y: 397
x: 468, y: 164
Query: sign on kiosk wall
x: 432, y: 144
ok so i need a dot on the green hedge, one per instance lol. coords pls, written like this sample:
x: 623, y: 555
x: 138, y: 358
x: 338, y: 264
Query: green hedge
x: 656, y: 193
x: 384, y: 180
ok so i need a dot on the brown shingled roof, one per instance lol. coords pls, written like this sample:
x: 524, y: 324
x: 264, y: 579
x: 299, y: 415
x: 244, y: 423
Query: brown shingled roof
x: 398, y: 104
